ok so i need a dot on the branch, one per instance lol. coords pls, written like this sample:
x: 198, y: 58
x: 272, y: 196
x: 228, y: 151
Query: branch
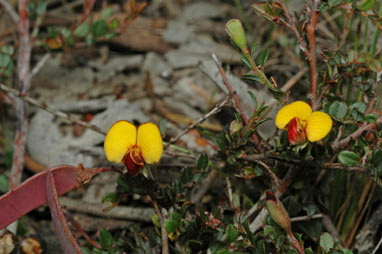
x: 23, y: 75
x: 165, y: 249
x: 9, y: 8
x: 215, y: 110
x: 344, y: 142
x: 311, y: 28
x: 232, y: 93
x: 45, y: 107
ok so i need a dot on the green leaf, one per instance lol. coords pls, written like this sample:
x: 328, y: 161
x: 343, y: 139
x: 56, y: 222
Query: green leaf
x: 231, y: 233
x: 186, y: 175
x: 201, y: 162
x: 8, y: 49
x: 245, y: 61
x: 252, y: 77
x: 106, y: 12
x: 41, y: 8
x: 348, y: 158
x: 371, y: 118
x: 5, y: 60
x: 357, y: 111
x: 105, y: 239
x: 376, y: 159
x: 114, y: 24
x: 338, y: 109
x: 4, y: 187
x: 171, y: 226
x: 367, y: 5
x: 82, y: 30
x: 326, y: 241
x: 162, y: 126
x: 66, y: 33
x: 253, y: 48
x: 110, y: 197
x: 99, y: 28
x: 333, y: 3
x: 263, y: 57
x: 253, y: 98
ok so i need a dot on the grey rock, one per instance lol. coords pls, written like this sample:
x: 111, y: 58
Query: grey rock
x: 201, y: 10
x: 178, y: 31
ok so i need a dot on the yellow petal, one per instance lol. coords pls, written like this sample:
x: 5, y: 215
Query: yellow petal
x: 120, y: 137
x: 150, y: 142
x: 318, y: 126
x: 298, y: 109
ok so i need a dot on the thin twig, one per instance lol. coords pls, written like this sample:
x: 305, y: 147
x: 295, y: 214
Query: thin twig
x: 215, y: 110
x: 259, y: 220
x: 355, y: 135
x: 230, y: 196
x: 9, y: 8
x: 23, y: 75
x: 311, y: 28
x: 305, y: 218
x: 51, y: 110
x: 232, y: 93
x: 197, y: 196
x: 165, y: 249
x: 39, y: 65
x: 275, y: 179
x: 377, y: 247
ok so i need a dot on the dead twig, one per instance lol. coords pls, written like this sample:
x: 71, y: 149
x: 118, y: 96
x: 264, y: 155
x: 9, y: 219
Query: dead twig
x: 9, y: 8
x: 197, y: 196
x: 305, y: 218
x: 275, y: 179
x: 165, y: 249
x: 45, y: 107
x: 259, y: 220
x: 232, y: 93
x: 23, y: 82
x: 39, y: 65
x: 119, y: 212
x: 215, y: 110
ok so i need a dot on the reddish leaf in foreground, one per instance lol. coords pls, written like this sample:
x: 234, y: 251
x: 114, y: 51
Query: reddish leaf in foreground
x: 67, y: 241
x: 32, y: 193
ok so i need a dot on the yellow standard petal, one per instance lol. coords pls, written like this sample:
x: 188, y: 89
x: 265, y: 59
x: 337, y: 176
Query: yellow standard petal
x: 299, y: 109
x: 318, y: 126
x: 150, y: 142
x: 121, y: 136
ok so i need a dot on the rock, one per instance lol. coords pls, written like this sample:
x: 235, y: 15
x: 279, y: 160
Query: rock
x: 49, y: 146
x: 115, y: 65
x: 200, y: 49
x: 156, y: 65
x: 201, y: 10
x: 178, y: 31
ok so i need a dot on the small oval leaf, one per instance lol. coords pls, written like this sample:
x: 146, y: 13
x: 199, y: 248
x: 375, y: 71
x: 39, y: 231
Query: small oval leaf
x: 348, y: 158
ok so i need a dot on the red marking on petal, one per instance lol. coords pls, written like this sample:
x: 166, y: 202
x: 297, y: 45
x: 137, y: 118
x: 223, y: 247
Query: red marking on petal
x: 133, y: 161
x: 296, y: 133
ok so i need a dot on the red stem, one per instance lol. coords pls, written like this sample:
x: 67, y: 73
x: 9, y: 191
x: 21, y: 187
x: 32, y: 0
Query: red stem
x: 23, y: 72
x: 355, y: 135
x: 312, y: 53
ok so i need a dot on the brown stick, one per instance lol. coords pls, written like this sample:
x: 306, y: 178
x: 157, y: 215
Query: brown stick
x: 23, y: 75
x: 215, y: 110
x: 51, y: 110
x: 232, y: 93
x: 355, y: 135
x: 165, y: 249
x: 311, y: 28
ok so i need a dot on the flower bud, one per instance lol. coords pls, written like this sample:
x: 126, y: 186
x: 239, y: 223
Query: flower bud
x: 235, y: 30
x: 277, y: 211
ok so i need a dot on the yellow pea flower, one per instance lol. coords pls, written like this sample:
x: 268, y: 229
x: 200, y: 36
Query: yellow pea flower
x: 302, y: 123
x: 132, y: 146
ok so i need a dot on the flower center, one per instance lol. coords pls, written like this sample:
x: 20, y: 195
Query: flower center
x: 296, y: 131
x: 133, y: 160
